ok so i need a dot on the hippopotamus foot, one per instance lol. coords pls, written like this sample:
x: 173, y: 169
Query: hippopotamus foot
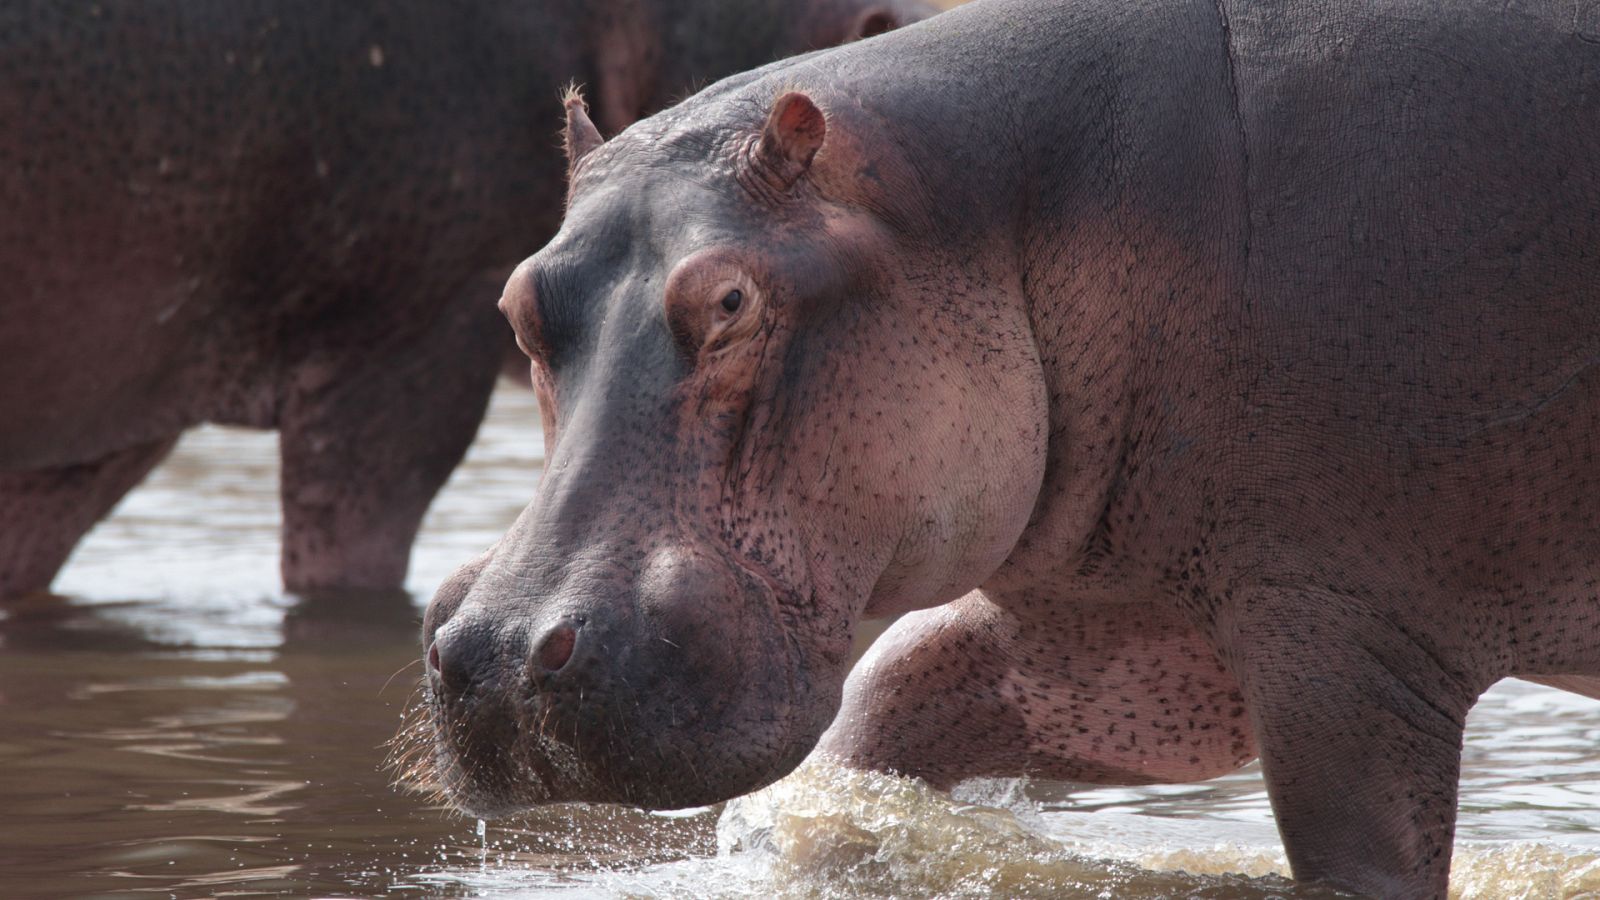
x: 366, y: 443
x: 1111, y: 694
x: 1360, y: 729
x: 45, y: 512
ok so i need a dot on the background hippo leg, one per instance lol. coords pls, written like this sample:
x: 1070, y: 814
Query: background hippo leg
x: 1125, y: 693
x: 44, y: 512
x: 1360, y: 729
x: 367, y: 436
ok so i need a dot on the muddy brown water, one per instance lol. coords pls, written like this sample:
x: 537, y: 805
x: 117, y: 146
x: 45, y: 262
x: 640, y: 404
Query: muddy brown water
x: 173, y: 725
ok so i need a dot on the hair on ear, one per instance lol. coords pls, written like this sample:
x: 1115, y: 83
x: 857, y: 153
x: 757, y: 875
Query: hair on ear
x: 580, y: 137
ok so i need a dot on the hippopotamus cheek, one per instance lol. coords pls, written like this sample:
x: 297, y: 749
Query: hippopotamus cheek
x: 711, y: 616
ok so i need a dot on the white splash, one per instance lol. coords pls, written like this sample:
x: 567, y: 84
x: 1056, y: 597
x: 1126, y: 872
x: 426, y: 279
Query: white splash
x: 833, y: 832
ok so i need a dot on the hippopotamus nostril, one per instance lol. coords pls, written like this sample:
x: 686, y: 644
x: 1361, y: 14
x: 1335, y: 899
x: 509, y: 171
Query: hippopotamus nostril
x: 460, y: 658
x: 556, y: 648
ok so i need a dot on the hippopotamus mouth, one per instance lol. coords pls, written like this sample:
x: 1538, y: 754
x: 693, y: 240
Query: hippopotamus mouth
x: 617, y: 705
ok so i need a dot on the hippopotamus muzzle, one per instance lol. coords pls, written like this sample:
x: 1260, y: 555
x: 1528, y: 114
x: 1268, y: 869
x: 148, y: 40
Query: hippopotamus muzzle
x: 597, y: 688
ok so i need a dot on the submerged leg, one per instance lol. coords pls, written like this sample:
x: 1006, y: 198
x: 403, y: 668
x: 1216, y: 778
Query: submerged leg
x: 45, y: 512
x: 1360, y: 727
x: 1124, y: 694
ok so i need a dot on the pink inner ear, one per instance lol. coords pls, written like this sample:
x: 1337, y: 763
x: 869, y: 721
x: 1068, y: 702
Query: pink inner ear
x: 795, y: 130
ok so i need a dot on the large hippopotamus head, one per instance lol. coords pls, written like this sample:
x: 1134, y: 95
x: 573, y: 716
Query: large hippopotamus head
x: 772, y: 404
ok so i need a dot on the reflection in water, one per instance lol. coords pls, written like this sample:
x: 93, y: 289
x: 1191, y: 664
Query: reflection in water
x: 179, y: 725
x: 129, y: 763
x: 175, y: 725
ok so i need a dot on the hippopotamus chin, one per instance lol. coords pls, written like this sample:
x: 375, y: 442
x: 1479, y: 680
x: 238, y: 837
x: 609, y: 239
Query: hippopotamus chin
x: 1214, y: 379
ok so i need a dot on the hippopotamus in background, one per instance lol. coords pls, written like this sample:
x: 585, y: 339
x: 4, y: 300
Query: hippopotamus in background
x: 1229, y: 371
x: 295, y: 215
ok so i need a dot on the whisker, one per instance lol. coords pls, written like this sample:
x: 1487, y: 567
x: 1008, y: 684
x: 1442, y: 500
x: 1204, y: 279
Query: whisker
x: 391, y: 678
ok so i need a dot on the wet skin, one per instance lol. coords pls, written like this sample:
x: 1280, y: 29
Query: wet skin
x: 1218, y: 379
x: 296, y: 215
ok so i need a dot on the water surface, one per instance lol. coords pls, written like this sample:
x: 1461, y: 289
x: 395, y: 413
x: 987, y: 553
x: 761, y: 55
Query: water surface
x: 174, y: 725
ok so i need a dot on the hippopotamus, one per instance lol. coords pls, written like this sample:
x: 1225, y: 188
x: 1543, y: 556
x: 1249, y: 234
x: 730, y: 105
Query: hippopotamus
x: 296, y: 215
x: 1207, y: 380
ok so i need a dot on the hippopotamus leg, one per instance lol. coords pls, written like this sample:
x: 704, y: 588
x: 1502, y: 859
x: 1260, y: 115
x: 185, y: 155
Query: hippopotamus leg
x: 367, y: 437
x: 45, y: 512
x: 1134, y: 694
x: 1360, y: 727
x: 1123, y: 694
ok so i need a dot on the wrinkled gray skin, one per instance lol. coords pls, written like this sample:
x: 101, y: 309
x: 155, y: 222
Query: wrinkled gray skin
x: 295, y: 215
x: 1227, y: 371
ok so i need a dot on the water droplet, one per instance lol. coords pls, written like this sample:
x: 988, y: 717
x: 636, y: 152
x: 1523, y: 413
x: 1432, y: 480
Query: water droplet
x: 483, y: 845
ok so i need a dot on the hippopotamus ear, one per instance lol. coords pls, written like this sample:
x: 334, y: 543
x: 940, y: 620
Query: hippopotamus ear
x: 581, y: 137
x: 873, y: 21
x: 794, y: 132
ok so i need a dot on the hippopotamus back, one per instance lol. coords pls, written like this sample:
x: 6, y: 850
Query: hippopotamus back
x: 296, y: 215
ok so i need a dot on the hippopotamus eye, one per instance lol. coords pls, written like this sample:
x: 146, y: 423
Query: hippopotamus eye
x: 712, y: 301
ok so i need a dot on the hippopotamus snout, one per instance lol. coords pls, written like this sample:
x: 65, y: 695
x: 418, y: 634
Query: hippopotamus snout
x: 466, y: 654
x: 514, y: 678
x: 604, y: 686
x: 476, y: 644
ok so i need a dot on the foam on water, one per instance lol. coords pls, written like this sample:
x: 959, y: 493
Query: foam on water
x: 830, y: 831
x: 840, y: 833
